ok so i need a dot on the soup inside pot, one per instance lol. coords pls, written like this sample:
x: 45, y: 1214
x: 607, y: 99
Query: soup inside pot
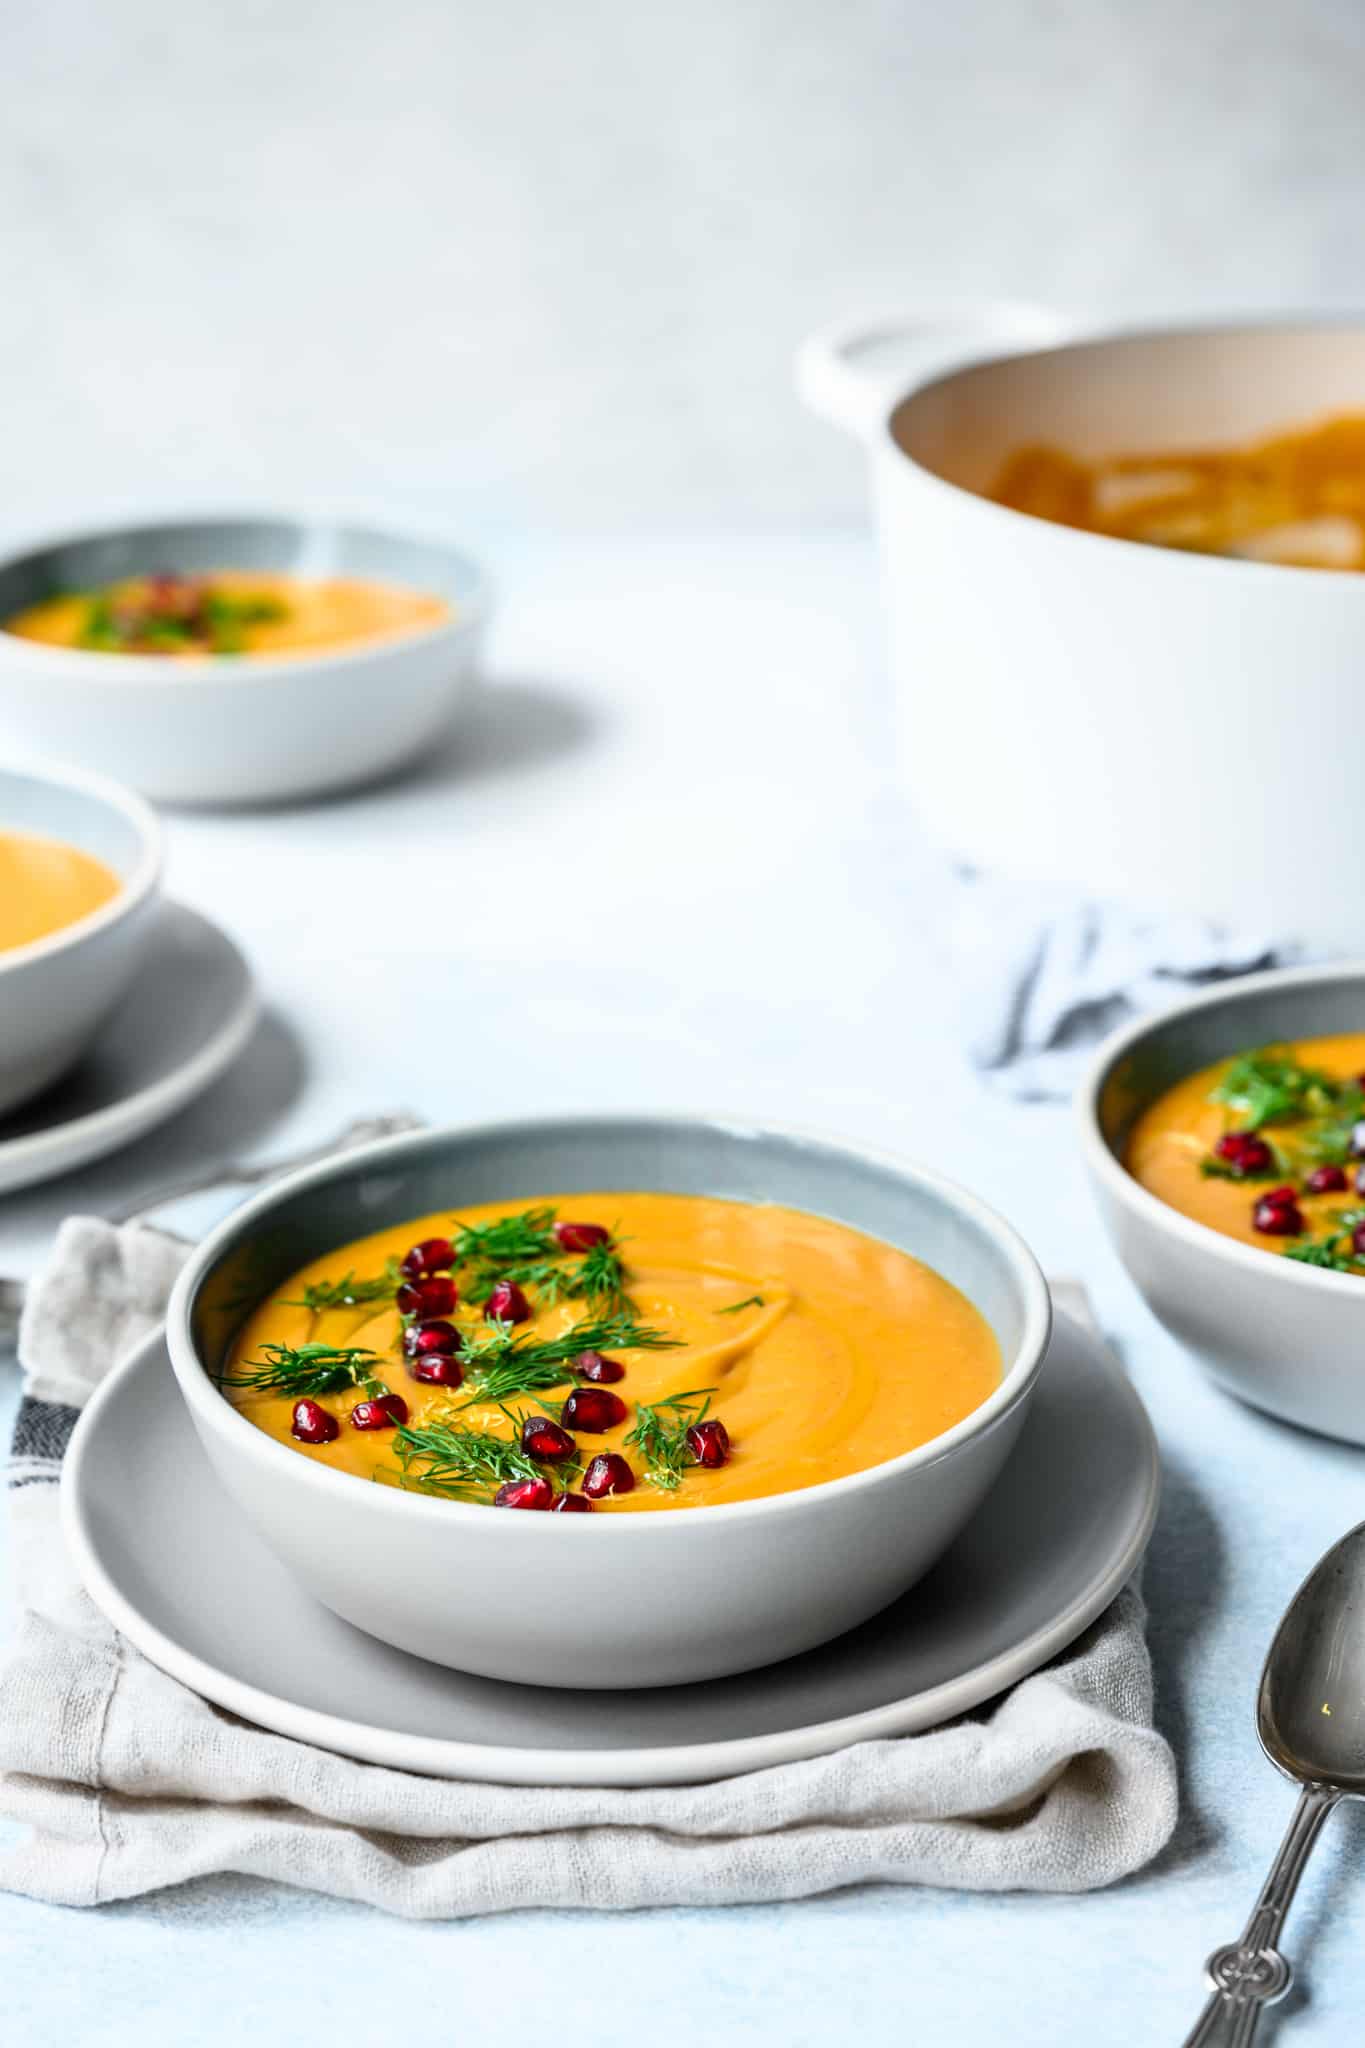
x: 1297, y: 498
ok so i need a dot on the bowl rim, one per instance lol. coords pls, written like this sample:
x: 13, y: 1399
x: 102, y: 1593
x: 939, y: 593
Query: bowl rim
x: 1178, y: 561
x: 1115, y: 1178
x: 134, y: 889
x: 100, y: 664
x: 208, y: 1403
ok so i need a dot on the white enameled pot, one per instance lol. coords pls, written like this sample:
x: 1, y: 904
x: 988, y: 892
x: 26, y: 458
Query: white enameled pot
x: 1169, y: 727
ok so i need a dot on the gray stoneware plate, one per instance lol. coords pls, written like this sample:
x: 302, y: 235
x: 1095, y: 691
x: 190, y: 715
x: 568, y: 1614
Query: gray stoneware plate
x: 189, y: 1013
x: 175, y: 1565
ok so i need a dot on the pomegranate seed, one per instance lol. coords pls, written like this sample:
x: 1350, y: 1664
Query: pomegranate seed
x: 432, y: 1255
x: 385, y: 1411
x: 545, y: 1440
x: 1244, y: 1152
x: 420, y: 1338
x: 1360, y: 1180
x: 524, y: 1493
x: 312, y: 1424
x: 571, y: 1504
x: 437, y: 1369
x: 507, y: 1303
x: 580, y: 1237
x: 608, y: 1473
x: 1358, y: 1240
x: 592, y: 1409
x: 590, y: 1365
x: 435, y: 1295
x: 1278, y: 1214
x: 709, y: 1442
x: 1325, y: 1180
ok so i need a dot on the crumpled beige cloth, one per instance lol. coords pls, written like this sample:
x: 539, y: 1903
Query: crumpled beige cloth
x: 127, y: 1781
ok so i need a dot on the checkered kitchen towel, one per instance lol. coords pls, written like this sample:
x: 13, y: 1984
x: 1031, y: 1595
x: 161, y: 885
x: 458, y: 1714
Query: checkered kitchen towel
x: 127, y: 1781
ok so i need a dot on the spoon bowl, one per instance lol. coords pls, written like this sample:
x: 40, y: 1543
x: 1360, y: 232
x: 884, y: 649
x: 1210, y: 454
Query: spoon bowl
x: 1311, y: 1708
x: 1310, y: 1717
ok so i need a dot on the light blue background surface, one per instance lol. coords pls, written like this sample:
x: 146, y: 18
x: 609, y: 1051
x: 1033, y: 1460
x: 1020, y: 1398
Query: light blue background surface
x: 676, y: 806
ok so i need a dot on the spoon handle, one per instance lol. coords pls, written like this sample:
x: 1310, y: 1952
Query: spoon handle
x: 1249, y: 1974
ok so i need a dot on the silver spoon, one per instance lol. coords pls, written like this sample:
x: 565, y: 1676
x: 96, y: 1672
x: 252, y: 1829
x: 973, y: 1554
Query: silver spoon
x: 1310, y: 1717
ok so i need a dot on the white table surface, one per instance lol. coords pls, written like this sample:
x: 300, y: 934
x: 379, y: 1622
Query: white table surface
x: 668, y: 869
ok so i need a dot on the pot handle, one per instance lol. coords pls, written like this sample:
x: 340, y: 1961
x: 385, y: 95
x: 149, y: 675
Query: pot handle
x: 852, y: 374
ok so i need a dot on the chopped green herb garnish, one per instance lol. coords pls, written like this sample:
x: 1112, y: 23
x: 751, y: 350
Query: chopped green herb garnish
x: 299, y: 1369
x: 461, y: 1463
x: 660, y: 1435
x: 1272, y: 1087
x: 1334, y: 1252
x: 750, y: 1301
x: 1222, y: 1169
x: 500, y: 1365
x: 515, y: 1239
x: 348, y: 1292
x: 524, y: 1250
x: 170, y: 614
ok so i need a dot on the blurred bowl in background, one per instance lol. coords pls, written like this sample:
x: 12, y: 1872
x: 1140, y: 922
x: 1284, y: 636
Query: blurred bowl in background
x: 241, y: 729
x: 1284, y: 1336
x: 1081, y: 709
x: 56, y: 992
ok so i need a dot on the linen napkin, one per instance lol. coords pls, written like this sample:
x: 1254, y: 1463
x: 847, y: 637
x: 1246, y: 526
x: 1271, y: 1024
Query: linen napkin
x: 1042, y: 976
x: 128, y: 1781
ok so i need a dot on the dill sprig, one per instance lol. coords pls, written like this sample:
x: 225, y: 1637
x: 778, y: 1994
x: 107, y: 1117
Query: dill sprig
x: 514, y: 1239
x: 348, y: 1291
x: 304, y: 1369
x: 1272, y: 1087
x: 461, y: 1463
x: 660, y: 1434
x: 600, y: 1276
x: 524, y: 1250
x: 749, y: 1301
x: 500, y: 1365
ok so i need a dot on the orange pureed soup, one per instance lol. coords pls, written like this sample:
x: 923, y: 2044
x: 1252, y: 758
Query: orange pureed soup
x: 628, y: 1351
x: 1297, y: 498
x: 228, y: 612
x: 46, y: 885
x: 1267, y: 1147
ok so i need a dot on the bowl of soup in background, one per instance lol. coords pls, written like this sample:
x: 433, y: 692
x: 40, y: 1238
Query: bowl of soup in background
x: 80, y: 877
x: 344, y: 651
x: 1085, y: 709
x: 608, y: 1599
x: 1280, y: 1333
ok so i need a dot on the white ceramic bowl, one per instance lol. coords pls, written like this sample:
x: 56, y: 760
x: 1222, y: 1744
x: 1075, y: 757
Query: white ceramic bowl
x: 55, y: 994
x: 1072, y: 707
x: 611, y: 1600
x: 1281, y: 1335
x: 241, y: 731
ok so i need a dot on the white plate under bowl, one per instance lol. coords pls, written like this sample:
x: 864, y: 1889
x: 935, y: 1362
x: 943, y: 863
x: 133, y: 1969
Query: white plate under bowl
x: 188, y: 1014
x: 168, y: 1557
